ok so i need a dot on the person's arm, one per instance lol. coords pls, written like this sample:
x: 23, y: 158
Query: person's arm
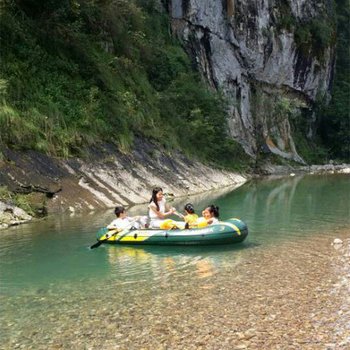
x: 130, y: 221
x: 213, y: 220
x: 179, y: 214
x: 116, y: 225
x: 111, y: 226
x: 158, y: 213
x: 169, y: 209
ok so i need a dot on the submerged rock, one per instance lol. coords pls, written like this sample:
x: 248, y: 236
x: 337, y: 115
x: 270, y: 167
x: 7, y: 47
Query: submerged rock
x: 337, y: 241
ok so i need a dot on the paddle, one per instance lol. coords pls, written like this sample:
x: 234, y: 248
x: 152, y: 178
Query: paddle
x: 113, y: 233
x: 108, y: 236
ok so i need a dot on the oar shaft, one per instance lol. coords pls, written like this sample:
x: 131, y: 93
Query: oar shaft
x: 108, y: 236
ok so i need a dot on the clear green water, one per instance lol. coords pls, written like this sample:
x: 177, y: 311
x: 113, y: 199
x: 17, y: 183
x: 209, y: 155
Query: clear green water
x: 48, y: 262
x: 55, y: 251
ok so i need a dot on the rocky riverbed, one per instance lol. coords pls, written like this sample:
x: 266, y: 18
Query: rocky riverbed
x: 290, y: 296
x: 271, y: 169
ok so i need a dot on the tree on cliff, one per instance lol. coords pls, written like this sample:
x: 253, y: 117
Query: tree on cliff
x: 335, y: 122
x: 78, y: 73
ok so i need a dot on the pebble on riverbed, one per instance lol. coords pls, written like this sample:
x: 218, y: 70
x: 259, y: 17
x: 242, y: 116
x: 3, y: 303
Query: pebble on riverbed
x: 337, y: 241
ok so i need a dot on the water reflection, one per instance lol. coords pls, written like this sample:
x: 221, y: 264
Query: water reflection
x: 132, y: 263
x: 291, y: 206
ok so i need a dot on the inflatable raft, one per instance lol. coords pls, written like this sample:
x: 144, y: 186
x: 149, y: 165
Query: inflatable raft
x: 223, y: 232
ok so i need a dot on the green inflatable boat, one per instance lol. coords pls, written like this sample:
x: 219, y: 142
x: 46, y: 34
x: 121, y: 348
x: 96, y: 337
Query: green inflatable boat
x: 223, y: 232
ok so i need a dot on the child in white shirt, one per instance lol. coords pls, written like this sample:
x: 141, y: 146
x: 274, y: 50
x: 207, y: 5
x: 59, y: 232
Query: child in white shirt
x: 123, y: 221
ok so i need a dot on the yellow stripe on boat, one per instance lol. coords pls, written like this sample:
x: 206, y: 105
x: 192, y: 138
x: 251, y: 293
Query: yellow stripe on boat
x: 132, y: 238
x: 108, y: 236
x: 231, y: 226
x: 114, y: 238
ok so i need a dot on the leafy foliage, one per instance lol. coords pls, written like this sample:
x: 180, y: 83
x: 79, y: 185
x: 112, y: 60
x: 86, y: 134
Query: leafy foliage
x: 335, y: 119
x: 76, y: 73
x: 20, y: 200
x: 315, y: 36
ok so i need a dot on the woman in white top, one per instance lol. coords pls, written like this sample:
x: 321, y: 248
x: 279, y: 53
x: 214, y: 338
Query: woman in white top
x: 158, y: 208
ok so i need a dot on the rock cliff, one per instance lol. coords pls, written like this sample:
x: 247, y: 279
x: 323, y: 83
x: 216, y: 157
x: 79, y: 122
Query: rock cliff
x: 268, y: 58
x: 106, y: 177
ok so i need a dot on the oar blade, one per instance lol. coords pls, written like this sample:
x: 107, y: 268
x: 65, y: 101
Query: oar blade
x: 108, y: 235
x: 97, y: 244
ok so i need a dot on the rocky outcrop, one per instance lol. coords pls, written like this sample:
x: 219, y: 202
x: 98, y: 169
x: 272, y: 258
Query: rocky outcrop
x: 270, y: 169
x: 106, y: 177
x: 11, y: 215
x: 250, y: 51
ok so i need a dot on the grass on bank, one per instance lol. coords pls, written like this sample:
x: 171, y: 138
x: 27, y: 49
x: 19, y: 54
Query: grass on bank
x: 26, y: 202
x: 79, y: 73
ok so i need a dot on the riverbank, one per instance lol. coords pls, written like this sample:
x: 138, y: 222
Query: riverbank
x: 10, y: 215
x: 106, y: 177
x: 285, y: 170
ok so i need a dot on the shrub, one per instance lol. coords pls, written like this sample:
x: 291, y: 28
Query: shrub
x: 79, y: 73
x: 315, y: 36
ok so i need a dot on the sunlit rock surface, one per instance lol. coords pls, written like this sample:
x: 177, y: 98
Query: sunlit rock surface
x: 11, y: 215
x: 107, y: 177
x: 242, y: 49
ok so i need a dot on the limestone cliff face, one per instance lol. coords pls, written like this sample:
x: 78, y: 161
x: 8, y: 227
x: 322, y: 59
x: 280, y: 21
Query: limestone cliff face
x: 248, y: 49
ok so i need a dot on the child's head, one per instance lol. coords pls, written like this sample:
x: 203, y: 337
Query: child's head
x: 211, y: 212
x: 118, y: 211
x: 189, y: 209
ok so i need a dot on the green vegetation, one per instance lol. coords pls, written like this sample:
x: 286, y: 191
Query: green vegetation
x: 276, y: 110
x: 312, y: 36
x: 282, y: 111
x: 285, y: 19
x: 334, y: 129
x: 315, y: 36
x: 30, y: 205
x: 309, y: 148
x: 77, y: 73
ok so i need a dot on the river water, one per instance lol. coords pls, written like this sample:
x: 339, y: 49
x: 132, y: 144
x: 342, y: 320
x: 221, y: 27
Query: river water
x: 286, y: 287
